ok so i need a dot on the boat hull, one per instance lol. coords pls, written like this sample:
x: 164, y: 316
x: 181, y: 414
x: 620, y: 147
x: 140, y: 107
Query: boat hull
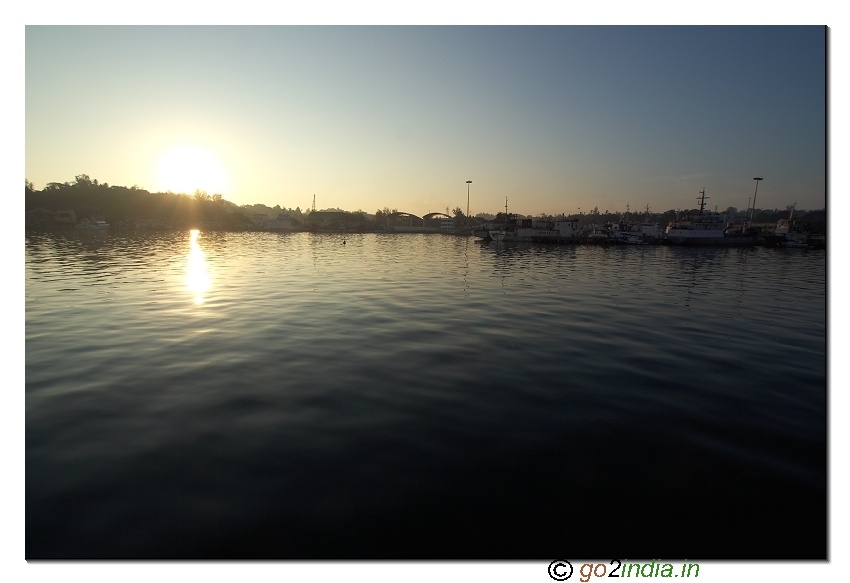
x: 510, y: 237
x: 735, y: 241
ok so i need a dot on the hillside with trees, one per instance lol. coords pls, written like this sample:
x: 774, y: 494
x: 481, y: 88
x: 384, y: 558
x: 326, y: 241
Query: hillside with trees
x: 116, y: 204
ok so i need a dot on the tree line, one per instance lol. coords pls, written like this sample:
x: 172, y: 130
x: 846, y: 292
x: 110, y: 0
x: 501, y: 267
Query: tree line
x: 121, y: 203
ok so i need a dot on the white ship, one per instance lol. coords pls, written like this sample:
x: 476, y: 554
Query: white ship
x: 706, y: 229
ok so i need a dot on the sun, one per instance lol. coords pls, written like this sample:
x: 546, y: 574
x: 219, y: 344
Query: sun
x: 189, y: 168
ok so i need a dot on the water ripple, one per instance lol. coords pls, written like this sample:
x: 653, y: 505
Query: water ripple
x: 431, y: 377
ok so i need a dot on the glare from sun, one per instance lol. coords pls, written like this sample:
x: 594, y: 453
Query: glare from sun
x: 197, y: 276
x: 189, y: 168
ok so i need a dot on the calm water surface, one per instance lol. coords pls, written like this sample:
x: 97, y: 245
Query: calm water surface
x: 421, y: 396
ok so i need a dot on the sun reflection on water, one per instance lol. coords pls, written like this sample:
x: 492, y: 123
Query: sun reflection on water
x: 197, y: 279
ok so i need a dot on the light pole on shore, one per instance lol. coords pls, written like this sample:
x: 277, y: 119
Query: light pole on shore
x: 468, y: 182
x: 753, y: 210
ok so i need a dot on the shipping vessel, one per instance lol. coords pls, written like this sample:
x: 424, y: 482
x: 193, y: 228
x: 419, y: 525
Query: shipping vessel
x: 709, y: 229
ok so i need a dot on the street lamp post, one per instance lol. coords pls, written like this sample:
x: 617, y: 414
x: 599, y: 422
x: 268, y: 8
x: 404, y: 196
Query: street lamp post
x: 753, y: 210
x: 468, y: 182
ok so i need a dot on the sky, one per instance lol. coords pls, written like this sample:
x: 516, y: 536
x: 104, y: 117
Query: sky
x: 555, y: 118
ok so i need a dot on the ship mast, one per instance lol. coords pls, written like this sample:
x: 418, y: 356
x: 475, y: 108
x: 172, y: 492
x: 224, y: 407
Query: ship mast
x: 755, y: 194
x: 701, y: 199
x: 468, y: 182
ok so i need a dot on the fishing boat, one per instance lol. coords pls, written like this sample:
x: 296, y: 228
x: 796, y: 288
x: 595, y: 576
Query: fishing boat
x: 501, y: 223
x: 543, y: 230
x: 92, y: 225
x: 798, y: 240
x: 632, y: 232
x: 786, y: 234
x: 497, y: 236
x: 506, y: 229
x: 636, y: 233
x: 599, y: 234
x: 634, y: 239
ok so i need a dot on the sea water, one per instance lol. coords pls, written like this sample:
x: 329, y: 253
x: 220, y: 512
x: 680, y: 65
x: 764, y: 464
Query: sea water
x: 298, y: 395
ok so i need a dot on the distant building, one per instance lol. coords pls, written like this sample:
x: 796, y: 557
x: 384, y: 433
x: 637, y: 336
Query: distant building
x: 66, y: 218
x: 39, y: 217
x: 398, y: 221
x: 260, y: 220
x: 89, y: 212
x: 281, y: 223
